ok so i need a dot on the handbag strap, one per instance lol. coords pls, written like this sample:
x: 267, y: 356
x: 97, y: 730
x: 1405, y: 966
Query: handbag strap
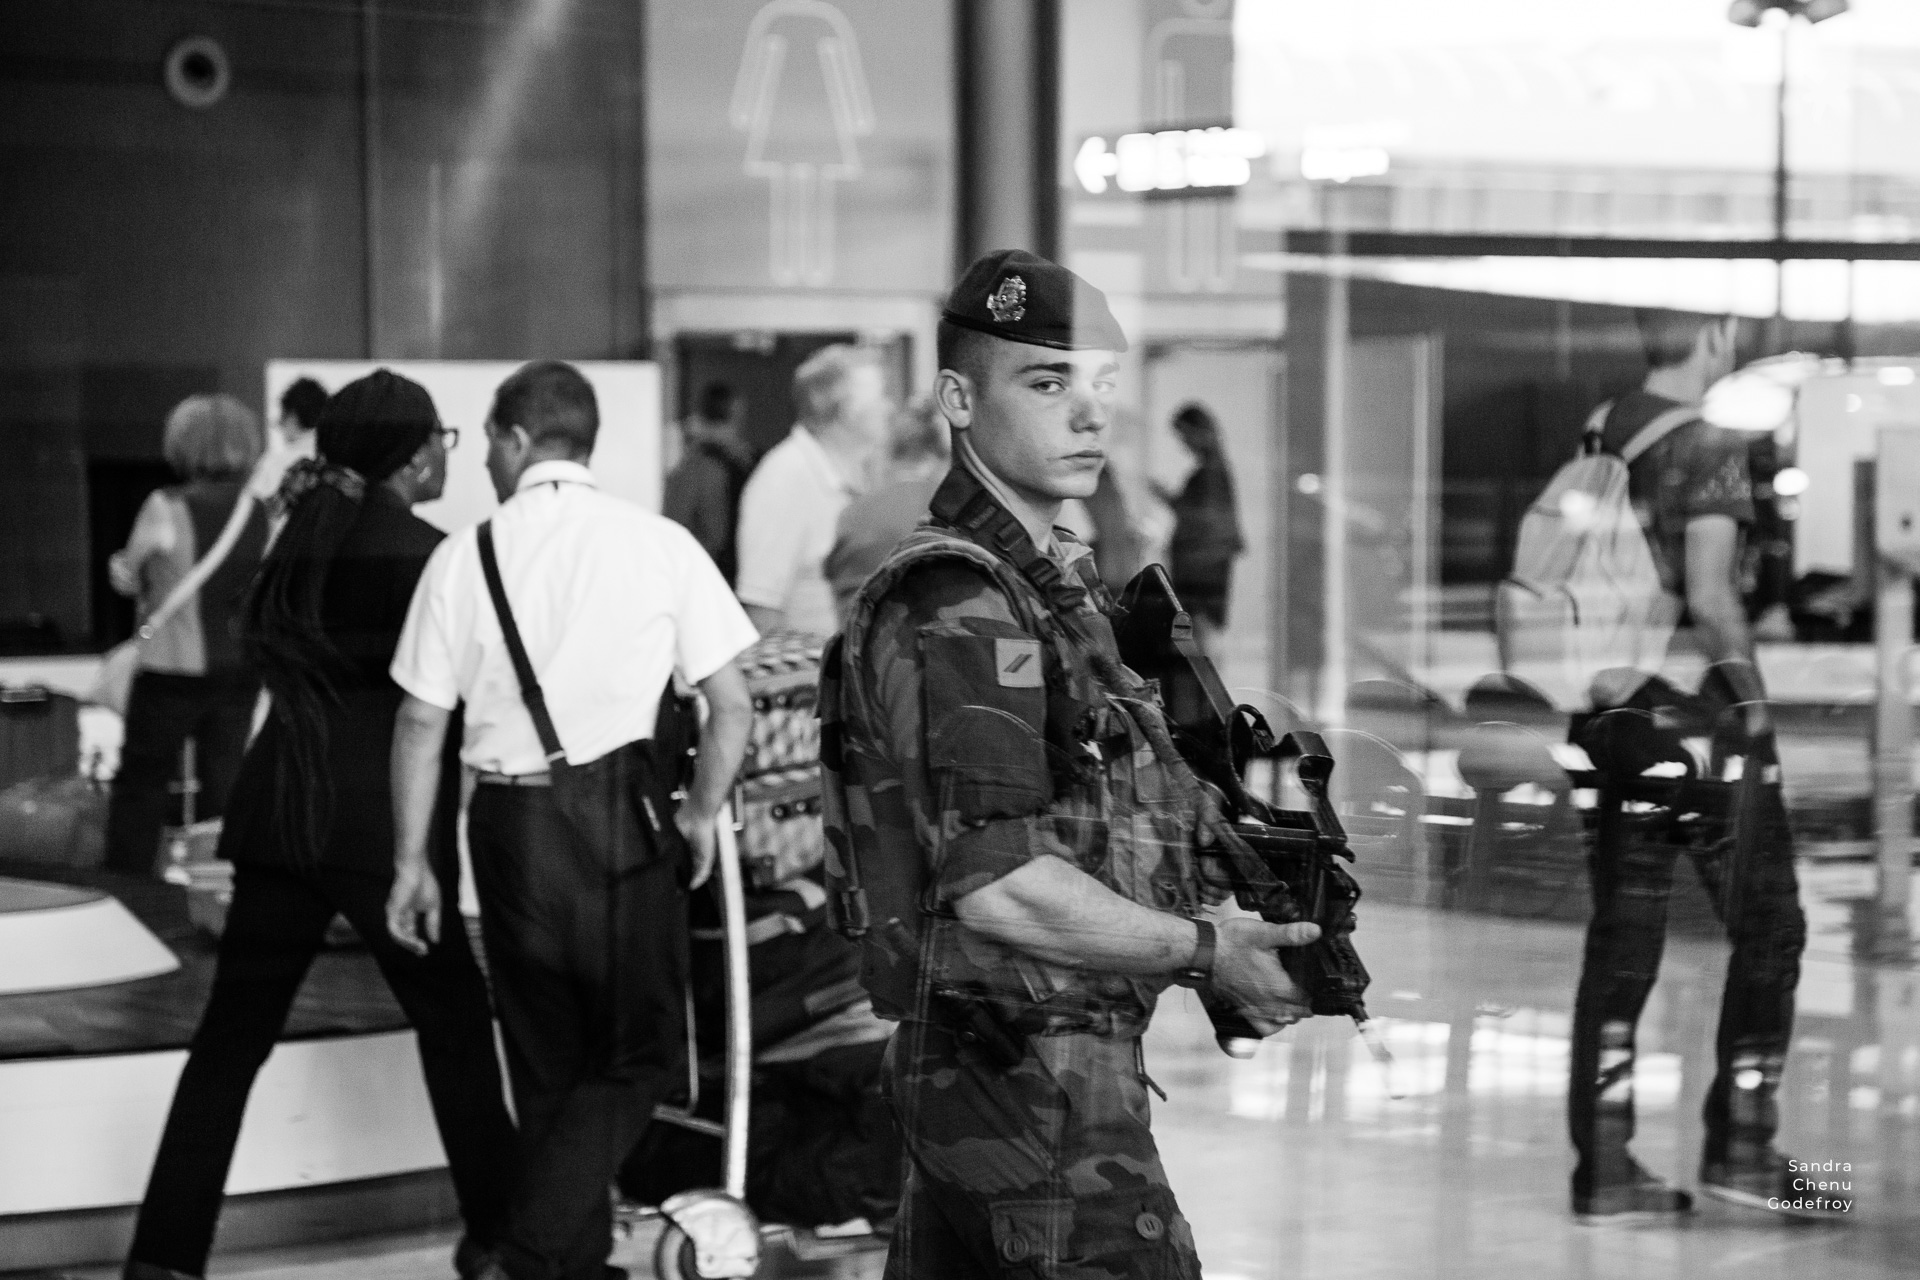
x: 196, y: 577
x: 530, y: 691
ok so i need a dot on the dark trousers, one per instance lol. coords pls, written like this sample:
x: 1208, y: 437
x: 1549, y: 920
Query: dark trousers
x: 1632, y: 877
x: 163, y: 711
x: 589, y: 978
x: 275, y: 926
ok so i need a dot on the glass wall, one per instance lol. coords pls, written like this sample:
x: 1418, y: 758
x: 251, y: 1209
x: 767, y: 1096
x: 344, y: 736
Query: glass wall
x: 1371, y: 241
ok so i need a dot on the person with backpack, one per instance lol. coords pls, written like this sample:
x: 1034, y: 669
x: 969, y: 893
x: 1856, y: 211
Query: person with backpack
x: 702, y: 493
x: 1691, y: 506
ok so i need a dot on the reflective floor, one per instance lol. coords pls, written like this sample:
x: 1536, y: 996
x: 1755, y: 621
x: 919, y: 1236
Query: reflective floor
x: 1300, y: 1163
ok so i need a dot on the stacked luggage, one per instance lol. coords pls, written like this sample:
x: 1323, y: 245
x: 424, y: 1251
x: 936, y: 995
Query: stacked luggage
x: 821, y: 1144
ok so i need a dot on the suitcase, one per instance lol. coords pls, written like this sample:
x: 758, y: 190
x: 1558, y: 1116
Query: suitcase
x: 39, y: 734
x: 58, y: 822
x: 778, y: 800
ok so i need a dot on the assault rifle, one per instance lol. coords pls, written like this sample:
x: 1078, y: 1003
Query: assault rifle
x: 1285, y: 864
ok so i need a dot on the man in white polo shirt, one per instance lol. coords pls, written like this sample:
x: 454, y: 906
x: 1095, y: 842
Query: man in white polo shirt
x: 792, y: 503
x: 579, y: 853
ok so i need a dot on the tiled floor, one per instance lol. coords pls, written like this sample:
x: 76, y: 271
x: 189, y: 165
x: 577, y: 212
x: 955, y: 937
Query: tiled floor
x: 1301, y: 1164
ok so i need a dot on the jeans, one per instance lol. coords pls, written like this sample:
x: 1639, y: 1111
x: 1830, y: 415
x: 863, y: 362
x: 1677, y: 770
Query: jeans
x: 1632, y: 877
x: 163, y: 711
x: 275, y: 926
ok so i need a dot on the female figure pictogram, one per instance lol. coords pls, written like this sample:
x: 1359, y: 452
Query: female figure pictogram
x: 802, y: 101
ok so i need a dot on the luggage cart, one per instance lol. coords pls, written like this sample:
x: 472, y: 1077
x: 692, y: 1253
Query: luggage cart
x: 710, y: 1234
x: 706, y: 1234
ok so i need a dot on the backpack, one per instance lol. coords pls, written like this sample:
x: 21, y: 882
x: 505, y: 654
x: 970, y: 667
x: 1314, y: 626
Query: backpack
x: 1585, y: 594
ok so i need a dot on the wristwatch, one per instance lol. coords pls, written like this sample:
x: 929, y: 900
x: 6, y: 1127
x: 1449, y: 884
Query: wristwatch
x: 1199, y: 971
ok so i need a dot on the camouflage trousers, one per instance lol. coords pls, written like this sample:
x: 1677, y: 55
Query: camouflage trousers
x: 1046, y: 1171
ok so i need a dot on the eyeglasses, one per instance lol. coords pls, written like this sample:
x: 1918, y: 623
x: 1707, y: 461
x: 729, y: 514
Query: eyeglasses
x: 449, y: 438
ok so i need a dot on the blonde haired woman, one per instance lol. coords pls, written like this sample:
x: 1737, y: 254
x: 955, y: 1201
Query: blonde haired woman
x: 191, y: 679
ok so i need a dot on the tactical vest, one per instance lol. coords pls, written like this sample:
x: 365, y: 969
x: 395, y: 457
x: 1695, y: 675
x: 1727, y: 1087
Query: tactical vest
x: 1123, y: 815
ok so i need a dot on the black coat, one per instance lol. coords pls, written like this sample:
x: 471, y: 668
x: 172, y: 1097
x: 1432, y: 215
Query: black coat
x: 362, y: 609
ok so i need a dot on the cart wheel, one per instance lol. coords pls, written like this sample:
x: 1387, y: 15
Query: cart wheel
x: 673, y: 1256
x: 709, y: 1236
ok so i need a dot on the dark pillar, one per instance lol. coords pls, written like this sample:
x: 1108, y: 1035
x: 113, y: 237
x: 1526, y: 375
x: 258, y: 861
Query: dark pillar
x: 1009, y: 119
x: 1306, y: 415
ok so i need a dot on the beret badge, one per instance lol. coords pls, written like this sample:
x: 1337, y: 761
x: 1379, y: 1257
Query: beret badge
x: 1008, y: 303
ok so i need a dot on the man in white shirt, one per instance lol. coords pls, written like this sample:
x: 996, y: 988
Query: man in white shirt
x: 792, y: 503
x: 582, y: 909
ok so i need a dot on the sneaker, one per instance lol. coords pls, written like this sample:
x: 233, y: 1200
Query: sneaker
x: 1637, y: 1197
x: 1767, y: 1182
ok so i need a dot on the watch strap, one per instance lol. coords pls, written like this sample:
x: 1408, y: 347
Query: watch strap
x: 1199, y: 971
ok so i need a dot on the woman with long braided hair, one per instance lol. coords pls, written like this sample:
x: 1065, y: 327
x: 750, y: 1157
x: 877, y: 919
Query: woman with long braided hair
x: 310, y: 828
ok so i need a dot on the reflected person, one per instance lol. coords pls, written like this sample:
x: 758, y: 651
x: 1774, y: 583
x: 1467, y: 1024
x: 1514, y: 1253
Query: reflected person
x: 1206, y: 527
x: 1693, y: 494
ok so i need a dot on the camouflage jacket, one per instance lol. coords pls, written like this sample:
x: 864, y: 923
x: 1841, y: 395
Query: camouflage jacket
x: 986, y: 720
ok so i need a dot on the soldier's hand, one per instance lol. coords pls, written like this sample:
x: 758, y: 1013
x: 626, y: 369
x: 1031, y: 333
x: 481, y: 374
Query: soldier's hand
x: 1247, y: 972
x: 1215, y: 884
x: 703, y: 841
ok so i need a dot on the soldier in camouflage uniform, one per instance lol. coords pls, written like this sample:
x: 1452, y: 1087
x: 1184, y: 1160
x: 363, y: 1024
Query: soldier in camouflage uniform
x: 1025, y: 854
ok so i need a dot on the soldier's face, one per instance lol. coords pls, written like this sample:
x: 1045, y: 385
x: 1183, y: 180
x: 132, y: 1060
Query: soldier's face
x: 1039, y: 418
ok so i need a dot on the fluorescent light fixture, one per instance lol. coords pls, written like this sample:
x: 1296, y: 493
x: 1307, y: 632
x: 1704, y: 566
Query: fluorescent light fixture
x: 1748, y: 13
x: 1343, y: 164
x: 1170, y: 160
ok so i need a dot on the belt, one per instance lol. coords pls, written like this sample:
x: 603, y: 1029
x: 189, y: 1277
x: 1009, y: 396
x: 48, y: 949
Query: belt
x: 514, y: 779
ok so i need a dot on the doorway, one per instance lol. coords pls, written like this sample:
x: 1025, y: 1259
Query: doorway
x: 759, y: 365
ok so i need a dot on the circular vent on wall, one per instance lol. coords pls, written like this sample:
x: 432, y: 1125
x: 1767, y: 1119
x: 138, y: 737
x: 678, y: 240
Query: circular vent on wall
x: 197, y: 72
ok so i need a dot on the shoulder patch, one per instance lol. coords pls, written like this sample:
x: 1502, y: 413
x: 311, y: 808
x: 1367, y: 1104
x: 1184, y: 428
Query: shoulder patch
x: 1017, y: 664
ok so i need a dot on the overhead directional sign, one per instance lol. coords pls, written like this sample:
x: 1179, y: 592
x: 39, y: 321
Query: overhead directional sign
x: 1184, y: 161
